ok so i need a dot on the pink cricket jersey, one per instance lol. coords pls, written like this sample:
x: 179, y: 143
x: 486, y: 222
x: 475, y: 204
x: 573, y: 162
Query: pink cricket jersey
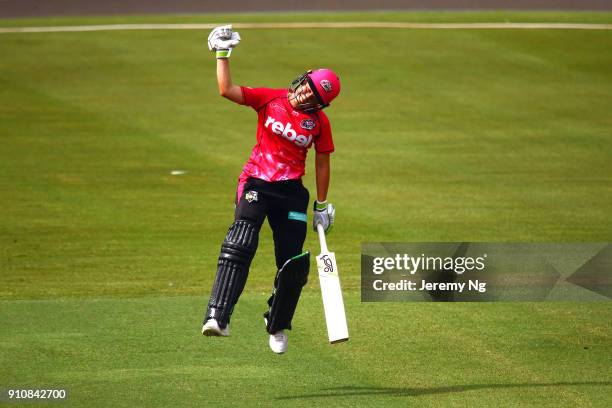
x: 284, y: 136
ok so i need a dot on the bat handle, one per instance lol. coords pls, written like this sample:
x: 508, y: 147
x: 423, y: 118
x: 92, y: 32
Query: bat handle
x: 322, y: 241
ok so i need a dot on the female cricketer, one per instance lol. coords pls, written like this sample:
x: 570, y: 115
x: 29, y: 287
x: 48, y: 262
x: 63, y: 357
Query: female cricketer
x: 290, y: 121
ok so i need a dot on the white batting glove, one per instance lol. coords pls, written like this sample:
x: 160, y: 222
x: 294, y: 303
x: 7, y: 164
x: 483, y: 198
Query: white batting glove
x: 222, y: 40
x: 323, y: 213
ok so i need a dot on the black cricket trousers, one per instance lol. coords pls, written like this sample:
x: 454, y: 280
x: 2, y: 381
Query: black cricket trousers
x: 285, y: 203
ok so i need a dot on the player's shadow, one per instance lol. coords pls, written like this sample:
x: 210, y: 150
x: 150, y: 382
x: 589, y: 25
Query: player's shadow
x: 415, y: 392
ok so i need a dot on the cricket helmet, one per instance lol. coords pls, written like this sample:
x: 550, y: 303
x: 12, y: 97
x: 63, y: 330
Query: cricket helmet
x: 324, y: 83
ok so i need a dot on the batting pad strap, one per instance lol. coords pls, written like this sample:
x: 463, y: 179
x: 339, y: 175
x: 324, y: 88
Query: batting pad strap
x: 288, y: 285
x: 240, y: 243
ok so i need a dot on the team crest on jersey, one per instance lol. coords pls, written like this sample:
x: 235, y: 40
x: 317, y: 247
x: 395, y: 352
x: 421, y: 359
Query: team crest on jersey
x: 308, y: 124
x: 326, y: 85
x: 251, y: 196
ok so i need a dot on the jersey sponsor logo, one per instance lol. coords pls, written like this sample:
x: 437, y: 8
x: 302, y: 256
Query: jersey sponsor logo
x: 308, y: 124
x: 287, y: 132
x: 326, y: 85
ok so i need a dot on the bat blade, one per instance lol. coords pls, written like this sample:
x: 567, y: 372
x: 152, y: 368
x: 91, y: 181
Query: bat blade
x: 331, y: 292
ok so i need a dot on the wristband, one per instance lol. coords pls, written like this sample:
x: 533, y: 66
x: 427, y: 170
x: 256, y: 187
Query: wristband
x: 221, y: 54
x: 319, y: 206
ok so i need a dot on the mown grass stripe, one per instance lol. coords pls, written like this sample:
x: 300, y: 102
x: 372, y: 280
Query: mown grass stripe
x: 316, y: 25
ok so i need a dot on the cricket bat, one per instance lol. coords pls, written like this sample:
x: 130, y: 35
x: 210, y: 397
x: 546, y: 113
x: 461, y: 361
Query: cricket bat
x: 337, y: 330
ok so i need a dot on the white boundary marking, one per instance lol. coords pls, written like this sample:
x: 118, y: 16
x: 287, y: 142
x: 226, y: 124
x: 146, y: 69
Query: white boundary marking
x: 414, y: 26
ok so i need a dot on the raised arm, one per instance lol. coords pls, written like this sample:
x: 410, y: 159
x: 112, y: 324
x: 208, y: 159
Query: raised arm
x: 224, y: 79
x: 222, y: 41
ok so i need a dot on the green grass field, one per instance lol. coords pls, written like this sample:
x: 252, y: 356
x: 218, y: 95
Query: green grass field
x: 441, y: 135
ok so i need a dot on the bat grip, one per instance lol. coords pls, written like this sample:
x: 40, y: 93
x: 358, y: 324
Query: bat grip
x: 322, y: 241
